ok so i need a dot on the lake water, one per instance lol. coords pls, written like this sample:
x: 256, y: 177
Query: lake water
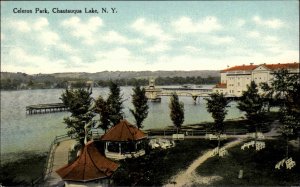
x: 22, y: 133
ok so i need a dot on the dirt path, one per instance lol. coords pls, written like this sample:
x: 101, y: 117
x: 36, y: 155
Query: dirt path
x: 189, y: 176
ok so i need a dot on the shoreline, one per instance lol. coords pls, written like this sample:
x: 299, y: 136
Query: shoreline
x: 24, y: 170
x: 196, y: 126
x: 16, y: 156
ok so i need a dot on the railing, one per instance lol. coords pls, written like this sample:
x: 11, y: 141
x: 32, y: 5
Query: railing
x: 192, y: 132
x: 50, y: 157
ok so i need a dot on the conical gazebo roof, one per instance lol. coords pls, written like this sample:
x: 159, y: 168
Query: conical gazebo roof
x: 91, y: 165
x: 123, y: 131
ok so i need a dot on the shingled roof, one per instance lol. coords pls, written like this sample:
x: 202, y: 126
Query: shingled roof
x: 91, y: 165
x: 123, y: 131
x: 269, y: 66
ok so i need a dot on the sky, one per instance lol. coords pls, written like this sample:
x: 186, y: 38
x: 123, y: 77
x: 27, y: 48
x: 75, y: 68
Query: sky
x: 141, y: 35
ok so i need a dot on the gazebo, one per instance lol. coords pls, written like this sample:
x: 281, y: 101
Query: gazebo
x: 124, y: 140
x: 91, y: 168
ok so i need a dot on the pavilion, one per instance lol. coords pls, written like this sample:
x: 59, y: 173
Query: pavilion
x: 124, y: 140
x: 91, y: 168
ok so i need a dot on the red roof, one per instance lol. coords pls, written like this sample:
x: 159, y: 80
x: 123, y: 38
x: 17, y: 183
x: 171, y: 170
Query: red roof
x: 90, y: 165
x: 270, y: 66
x: 123, y: 131
x: 221, y: 85
x: 283, y: 66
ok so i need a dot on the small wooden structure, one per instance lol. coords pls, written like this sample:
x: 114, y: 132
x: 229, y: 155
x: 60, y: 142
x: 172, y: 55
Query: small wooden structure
x: 46, y: 108
x: 91, y: 168
x: 124, y: 141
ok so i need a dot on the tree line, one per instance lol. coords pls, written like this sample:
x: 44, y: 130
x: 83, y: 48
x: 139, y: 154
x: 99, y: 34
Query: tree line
x: 162, y: 81
x: 47, y: 82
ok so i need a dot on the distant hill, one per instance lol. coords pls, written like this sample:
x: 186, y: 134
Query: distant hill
x: 19, y: 80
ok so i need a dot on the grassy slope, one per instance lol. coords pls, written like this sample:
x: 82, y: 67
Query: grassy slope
x: 159, y: 166
x: 22, y: 171
x: 258, y: 167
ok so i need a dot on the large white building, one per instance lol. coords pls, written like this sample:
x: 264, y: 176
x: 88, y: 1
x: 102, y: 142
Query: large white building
x: 234, y: 80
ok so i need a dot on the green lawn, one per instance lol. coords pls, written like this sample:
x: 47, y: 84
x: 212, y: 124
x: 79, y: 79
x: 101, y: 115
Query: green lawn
x: 258, y: 167
x: 157, y: 167
x: 23, y: 171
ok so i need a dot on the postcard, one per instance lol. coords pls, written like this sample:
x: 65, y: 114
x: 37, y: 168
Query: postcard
x: 150, y: 93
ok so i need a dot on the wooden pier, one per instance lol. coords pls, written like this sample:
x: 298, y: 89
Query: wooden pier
x: 45, y: 108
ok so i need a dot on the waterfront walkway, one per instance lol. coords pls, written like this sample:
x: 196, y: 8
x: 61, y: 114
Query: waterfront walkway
x: 60, y: 158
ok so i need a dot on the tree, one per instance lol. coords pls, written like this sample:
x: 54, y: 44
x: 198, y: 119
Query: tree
x: 281, y: 84
x: 79, y: 102
x: 289, y: 127
x: 139, y: 101
x: 216, y: 105
x: 267, y: 95
x: 115, y: 103
x: 287, y: 88
x: 176, y: 111
x: 252, y: 103
x: 102, y: 108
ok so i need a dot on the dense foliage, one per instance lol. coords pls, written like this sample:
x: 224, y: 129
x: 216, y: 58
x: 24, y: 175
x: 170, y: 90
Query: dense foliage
x: 26, y: 171
x: 286, y: 89
x: 115, y: 103
x: 79, y: 103
x: 216, y: 105
x: 24, y: 81
x: 176, y: 111
x: 102, y: 108
x: 252, y: 104
x: 139, y: 101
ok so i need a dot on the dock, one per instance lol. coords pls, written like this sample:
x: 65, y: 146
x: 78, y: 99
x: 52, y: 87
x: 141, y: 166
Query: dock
x: 46, y: 108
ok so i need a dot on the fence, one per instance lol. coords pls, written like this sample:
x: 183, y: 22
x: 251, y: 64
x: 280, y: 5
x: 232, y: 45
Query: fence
x: 50, y: 158
x: 191, y: 132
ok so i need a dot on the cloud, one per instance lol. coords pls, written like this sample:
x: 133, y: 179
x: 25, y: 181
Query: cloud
x: 40, y: 23
x: 191, y: 49
x: 48, y: 37
x: 216, y: 40
x: 271, y: 39
x: 240, y: 22
x: 19, y: 59
x: 75, y: 61
x: 150, y: 29
x: 158, y: 47
x: 115, y: 37
x: 117, y: 54
x: 84, y: 30
x: 253, y: 34
x: 20, y: 25
x: 206, y: 25
x: 271, y: 23
x: 118, y: 59
x: 66, y: 47
x: 22, y: 58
